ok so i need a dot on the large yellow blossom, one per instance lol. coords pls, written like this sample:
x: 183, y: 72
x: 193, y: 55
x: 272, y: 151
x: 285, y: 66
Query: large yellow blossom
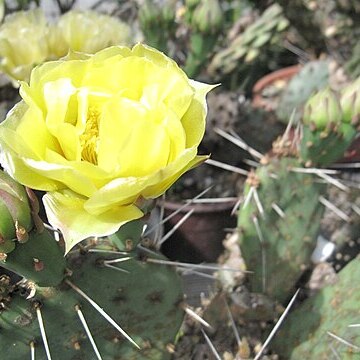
x: 101, y: 133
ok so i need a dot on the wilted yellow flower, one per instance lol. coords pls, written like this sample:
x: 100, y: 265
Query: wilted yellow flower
x: 101, y: 133
x: 86, y: 31
x: 23, y: 43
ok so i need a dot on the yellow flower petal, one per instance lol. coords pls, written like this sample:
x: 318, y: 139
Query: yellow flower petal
x: 65, y: 211
x: 154, y: 191
x: 125, y: 190
x: 19, y: 170
x: 119, y: 142
x: 64, y: 174
x: 197, y: 110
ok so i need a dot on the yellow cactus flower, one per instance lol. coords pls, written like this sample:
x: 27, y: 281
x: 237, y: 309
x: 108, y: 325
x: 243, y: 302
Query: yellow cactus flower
x: 86, y: 31
x: 23, y: 43
x: 101, y: 133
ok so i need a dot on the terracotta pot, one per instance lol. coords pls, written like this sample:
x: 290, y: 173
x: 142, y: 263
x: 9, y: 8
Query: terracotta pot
x: 284, y: 74
x: 200, y: 237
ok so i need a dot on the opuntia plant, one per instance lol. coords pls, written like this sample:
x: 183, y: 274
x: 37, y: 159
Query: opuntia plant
x: 326, y: 325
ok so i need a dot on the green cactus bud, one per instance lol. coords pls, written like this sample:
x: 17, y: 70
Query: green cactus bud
x: 15, y: 213
x: 168, y: 14
x: 192, y: 3
x: 322, y: 109
x: 208, y: 17
x: 350, y: 102
x: 148, y: 14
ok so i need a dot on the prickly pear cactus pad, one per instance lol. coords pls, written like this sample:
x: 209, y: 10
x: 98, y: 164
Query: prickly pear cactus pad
x: 324, y: 326
x: 312, y: 77
x: 321, y: 147
x: 278, y: 232
x: 143, y: 299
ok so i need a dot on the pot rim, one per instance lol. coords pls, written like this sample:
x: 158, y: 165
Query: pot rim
x: 284, y: 73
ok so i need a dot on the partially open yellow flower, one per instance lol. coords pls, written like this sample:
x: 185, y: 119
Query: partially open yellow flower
x: 86, y: 31
x: 100, y: 133
x: 23, y: 43
x: 26, y: 39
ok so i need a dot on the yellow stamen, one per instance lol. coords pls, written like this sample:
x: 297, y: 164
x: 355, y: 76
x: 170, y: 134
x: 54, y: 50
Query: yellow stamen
x: 89, y: 138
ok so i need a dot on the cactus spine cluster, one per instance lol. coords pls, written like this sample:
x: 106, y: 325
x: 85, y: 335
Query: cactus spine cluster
x: 247, y: 46
x: 278, y: 233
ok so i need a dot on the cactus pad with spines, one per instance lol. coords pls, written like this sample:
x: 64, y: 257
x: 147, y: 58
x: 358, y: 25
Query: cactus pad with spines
x: 249, y: 45
x: 145, y: 302
x: 322, y: 147
x: 278, y: 259
x: 305, y: 332
x: 312, y: 77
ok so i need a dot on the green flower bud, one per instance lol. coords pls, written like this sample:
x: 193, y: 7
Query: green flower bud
x: 192, y: 3
x: 323, y: 109
x: 168, y: 14
x: 15, y: 213
x: 153, y: 15
x: 208, y: 17
x: 350, y: 102
x: 148, y: 14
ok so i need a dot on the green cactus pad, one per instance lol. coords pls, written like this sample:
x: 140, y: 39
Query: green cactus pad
x: 279, y: 258
x: 248, y: 45
x: 324, y: 147
x: 305, y: 333
x: 145, y: 302
x: 40, y: 259
x: 312, y: 77
x: 128, y: 236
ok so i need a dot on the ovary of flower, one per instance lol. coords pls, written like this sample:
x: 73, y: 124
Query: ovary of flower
x: 89, y: 139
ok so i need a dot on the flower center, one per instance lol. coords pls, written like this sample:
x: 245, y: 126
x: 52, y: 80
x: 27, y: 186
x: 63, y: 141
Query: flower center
x: 89, y: 138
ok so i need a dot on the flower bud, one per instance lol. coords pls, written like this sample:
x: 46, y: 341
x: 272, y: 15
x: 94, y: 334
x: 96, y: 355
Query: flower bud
x: 15, y: 213
x: 152, y: 14
x: 322, y: 109
x: 208, y: 16
x: 168, y: 14
x: 192, y: 3
x: 350, y: 101
x: 148, y: 14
